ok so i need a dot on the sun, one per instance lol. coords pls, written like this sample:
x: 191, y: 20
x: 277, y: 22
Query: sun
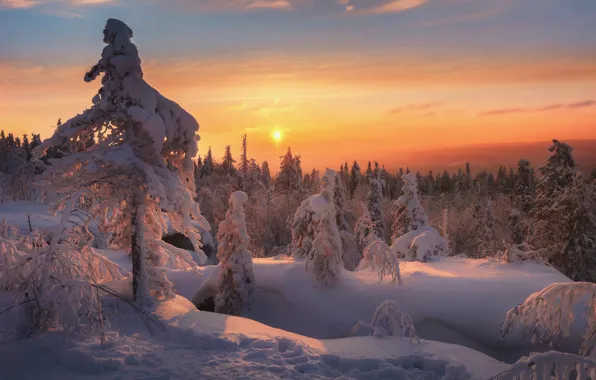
x: 277, y: 136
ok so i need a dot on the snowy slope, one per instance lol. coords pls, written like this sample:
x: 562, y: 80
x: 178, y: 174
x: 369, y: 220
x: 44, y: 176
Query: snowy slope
x: 454, y: 300
x: 202, y: 345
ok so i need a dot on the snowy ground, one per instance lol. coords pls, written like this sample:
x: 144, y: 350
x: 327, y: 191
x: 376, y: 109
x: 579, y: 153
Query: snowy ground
x: 453, y: 300
x: 296, y: 330
x: 205, y: 345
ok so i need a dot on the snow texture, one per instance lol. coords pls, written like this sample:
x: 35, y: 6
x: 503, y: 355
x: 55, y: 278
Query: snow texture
x: 420, y: 245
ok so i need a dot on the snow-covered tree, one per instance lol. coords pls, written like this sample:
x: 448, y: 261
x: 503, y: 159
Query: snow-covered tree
x: 227, y: 164
x: 308, y: 215
x: 324, y: 259
x: 374, y: 200
x: 265, y: 174
x: 410, y: 215
x: 553, y: 311
x: 236, y: 282
x: 289, y: 178
x: 365, y: 228
x: 379, y: 258
x: 355, y: 178
x: 487, y: 240
x: 525, y: 185
x: 389, y: 319
x: 142, y: 162
x: 565, y: 222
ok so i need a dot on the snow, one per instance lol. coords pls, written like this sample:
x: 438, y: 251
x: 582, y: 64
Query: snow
x: 455, y: 300
x: 420, y: 244
x: 204, y: 345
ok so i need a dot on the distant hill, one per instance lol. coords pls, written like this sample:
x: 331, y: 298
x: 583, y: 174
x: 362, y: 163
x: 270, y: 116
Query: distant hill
x: 491, y: 156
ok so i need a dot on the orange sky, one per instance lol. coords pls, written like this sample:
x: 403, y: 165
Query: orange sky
x: 334, y: 110
x: 339, y: 84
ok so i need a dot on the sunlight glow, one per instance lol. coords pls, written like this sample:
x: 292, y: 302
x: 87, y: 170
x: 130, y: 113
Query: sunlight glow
x: 277, y: 136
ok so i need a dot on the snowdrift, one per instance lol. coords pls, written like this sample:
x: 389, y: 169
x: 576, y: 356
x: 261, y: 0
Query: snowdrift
x: 453, y: 300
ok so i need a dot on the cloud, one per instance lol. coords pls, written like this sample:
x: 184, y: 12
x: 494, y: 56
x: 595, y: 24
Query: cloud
x: 396, y: 6
x: 270, y: 4
x: 550, y: 107
x: 17, y: 4
x: 413, y: 107
x: 503, y: 111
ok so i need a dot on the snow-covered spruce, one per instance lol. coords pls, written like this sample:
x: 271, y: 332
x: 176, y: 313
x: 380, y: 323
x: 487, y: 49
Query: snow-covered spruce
x: 543, y: 366
x: 236, y: 282
x: 410, y: 215
x: 420, y: 245
x: 308, y: 215
x: 565, y: 222
x: 324, y: 259
x: 552, y: 311
x: 142, y: 162
x: 374, y: 200
x: 389, y: 319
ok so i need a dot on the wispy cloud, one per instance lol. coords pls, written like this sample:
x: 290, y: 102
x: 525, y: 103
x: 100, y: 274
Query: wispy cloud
x: 24, y: 4
x: 396, y: 6
x: 413, y: 107
x: 546, y: 108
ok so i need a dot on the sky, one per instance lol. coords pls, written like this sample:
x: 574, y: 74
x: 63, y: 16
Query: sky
x: 338, y: 79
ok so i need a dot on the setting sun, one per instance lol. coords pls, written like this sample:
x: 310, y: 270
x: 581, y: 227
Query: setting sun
x: 277, y: 136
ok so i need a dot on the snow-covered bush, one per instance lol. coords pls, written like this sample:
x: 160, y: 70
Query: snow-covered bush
x: 389, y: 319
x: 544, y: 366
x: 552, y: 311
x: 308, y: 215
x: 142, y: 161
x: 524, y: 252
x: 420, y: 245
x: 379, y: 258
x: 56, y: 285
x: 324, y: 259
x: 410, y: 215
x: 236, y: 282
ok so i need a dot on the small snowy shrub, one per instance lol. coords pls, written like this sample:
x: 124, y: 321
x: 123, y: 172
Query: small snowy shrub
x: 420, y: 245
x: 390, y: 319
x: 552, y: 311
x: 236, y: 282
x: 56, y: 285
x: 379, y: 258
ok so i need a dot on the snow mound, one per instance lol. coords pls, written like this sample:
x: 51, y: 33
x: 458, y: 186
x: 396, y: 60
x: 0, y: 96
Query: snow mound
x: 420, y: 245
x: 484, y: 291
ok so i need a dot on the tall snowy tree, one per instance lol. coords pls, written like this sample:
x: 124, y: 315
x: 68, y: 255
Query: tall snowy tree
x: 236, y: 282
x: 227, y: 163
x: 324, y: 259
x: 410, y: 215
x: 374, y: 200
x: 355, y: 178
x: 141, y: 166
x: 265, y: 174
x: 289, y: 178
x: 525, y: 185
x: 565, y: 223
x: 244, y: 161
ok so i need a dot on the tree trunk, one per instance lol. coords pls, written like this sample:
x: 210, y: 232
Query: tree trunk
x: 136, y: 246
